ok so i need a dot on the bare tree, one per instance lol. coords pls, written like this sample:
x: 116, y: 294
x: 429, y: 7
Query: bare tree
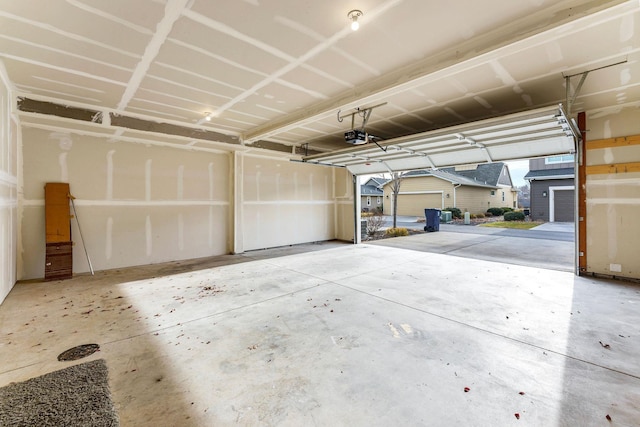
x: 396, y: 180
x: 524, y: 196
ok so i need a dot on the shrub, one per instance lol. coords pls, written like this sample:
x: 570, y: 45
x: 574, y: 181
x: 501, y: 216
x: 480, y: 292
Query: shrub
x: 495, y: 211
x: 488, y: 214
x: 514, y: 216
x: 506, y: 209
x: 455, y: 212
x: 396, y: 232
x: 473, y: 216
x: 375, y: 221
x: 480, y: 215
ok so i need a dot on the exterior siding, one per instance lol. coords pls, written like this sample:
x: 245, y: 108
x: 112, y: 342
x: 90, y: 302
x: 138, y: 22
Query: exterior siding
x: 374, y: 202
x: 540, y: 203
x: 428, y: 188
x: 419, y: 193
x: 415, y: 204
x: 510, y: 197
x: 539, y: 164
x: 424, y: 183
x: 504, y: 178
x: 475, y: 199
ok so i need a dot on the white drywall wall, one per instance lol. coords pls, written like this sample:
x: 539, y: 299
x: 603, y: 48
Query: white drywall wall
x: 286, y: 203
x: 140, y: 205
x: 8, y: 190
x: 136, y: 204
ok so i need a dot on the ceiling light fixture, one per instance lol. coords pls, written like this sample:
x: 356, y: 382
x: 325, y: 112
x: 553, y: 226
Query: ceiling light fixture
x: 207, y: 116
x: 353, y: 16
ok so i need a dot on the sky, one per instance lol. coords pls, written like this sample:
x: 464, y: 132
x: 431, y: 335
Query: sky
x: 518, y: 169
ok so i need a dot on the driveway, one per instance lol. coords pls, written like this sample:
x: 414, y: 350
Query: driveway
x: 550, y: 246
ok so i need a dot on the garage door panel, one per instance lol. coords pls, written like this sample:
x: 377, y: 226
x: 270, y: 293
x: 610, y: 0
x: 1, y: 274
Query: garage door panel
x: 564, y: 206
x: 534, y: 133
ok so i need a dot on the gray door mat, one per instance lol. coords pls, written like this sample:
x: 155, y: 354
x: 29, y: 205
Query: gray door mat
x: 75, y: 396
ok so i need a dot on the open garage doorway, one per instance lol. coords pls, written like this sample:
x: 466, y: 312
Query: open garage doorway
x: 467, y: 165
x: 536, y: 242
x: 605, y: 180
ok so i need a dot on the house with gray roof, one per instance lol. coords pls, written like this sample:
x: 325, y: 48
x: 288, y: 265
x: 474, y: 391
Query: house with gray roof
x: 470, y: 188
x: 552, y: 188
x: 371, y: 194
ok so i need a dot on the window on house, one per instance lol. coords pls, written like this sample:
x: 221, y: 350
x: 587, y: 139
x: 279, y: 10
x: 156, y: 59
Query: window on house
x: 493, y: 192
x: 379, y: 200
x: 368, y: 200
x: 565, y: 158
x: 503, y: 196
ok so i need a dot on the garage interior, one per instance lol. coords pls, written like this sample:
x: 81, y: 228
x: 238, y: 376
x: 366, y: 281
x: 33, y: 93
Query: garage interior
x: 217, y: 200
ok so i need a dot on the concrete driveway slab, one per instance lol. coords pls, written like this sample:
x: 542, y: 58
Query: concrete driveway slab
x: 545, y: 248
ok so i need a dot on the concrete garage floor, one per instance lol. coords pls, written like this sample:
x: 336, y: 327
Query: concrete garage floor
x: 359, y: 335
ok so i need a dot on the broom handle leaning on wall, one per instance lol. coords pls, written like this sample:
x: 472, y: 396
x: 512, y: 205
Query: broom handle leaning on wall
x: 80, y: 230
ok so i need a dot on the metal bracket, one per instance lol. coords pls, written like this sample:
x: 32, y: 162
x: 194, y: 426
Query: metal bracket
x: 571, y: 98
x: 365, y: 113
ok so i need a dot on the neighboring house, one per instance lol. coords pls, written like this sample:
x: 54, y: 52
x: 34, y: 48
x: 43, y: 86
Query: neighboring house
x: 371, y: 194
x: 552, y: 193
x: 472, y: 189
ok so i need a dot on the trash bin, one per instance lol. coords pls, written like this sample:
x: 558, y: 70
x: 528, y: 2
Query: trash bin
x: 432, y: 217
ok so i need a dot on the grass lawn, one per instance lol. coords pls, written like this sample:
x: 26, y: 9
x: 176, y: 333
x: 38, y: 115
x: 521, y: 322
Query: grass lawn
x: 520, y: 225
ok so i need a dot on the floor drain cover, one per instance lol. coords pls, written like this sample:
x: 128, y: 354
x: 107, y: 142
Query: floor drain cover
x: 78, y: 352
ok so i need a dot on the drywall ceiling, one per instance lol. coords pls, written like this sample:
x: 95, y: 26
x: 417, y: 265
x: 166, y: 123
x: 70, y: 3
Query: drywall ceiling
x: 278, y: 72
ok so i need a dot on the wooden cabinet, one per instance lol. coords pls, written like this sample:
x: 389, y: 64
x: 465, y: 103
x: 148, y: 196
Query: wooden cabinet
x: 58, y: 261
x: 59, y: 254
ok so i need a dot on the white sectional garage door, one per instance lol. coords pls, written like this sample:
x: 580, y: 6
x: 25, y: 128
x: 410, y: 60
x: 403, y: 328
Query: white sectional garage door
x: 534, y: 133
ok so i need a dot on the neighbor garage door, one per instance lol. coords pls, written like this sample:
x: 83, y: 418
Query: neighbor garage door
x: 564, y: 206
x: 415, y: 204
